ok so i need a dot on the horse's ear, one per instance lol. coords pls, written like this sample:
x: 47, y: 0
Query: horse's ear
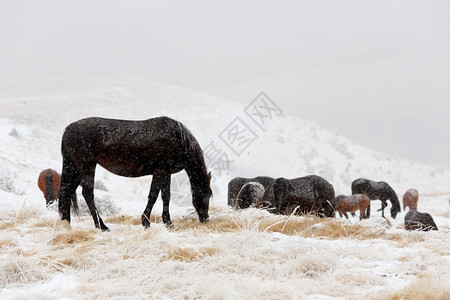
x: 209, y: 176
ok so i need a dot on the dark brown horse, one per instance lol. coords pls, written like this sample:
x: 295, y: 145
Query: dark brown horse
x: 304, y: 195
x: 159, y: 146
x: 415, y: 220
x: 344, y: 204
x: 235, y: 185
x: 410, y: 199
x: 377, y: 190
x: 49, y: 183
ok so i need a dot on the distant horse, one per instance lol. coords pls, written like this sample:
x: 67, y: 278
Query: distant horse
x: 415, y: 220
x: 49, y: 182
x: 250, y: 194
x: 377, y: 190
x: 235, y: 185
x: 410, y: 199
x: 344, y: 204
x: 159, y: 146
x: 304, y: 195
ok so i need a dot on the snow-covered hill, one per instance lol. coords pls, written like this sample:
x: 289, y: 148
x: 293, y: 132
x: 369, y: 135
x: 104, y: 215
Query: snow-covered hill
x: 38, y: 258
x: 35, y: 112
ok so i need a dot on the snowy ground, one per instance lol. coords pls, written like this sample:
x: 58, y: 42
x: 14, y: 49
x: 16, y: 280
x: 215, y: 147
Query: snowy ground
x: 238, y: 254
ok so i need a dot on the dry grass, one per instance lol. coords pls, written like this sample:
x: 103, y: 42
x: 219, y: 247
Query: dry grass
x: 8, y: 225
x: 129, y: 220
x: 44, y: 224
x: 405, y: 239
x: 305, y: 226
x: 190, y: 254
x: 424, y: 287
x: 122, y: 219
x: 73, y: 237
x: 7, y: 243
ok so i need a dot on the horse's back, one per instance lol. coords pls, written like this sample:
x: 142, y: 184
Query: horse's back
x: 130, y: 148
x: 415, y: 220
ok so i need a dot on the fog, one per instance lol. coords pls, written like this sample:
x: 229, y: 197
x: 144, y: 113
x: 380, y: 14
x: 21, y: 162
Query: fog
x: 374, y: 71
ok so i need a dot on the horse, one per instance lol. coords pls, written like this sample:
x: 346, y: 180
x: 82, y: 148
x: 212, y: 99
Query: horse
x: 49, y: 183
x: 235, y: 185
x: 344, y: 204
x: 159, y: 146
x: 377, y: 190
x: 410, y: 199
x: 415, y: 220
x: 250, y: 194
x: 304, y: 195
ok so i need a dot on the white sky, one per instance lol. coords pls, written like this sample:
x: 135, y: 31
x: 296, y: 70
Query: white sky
x: 375, y: 71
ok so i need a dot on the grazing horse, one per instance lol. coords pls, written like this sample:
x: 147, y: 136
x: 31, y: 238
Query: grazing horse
x: 49, y: 182
x: 410, y: 199
x: 415, y: 220
x: 344, y: 204
x: 304, y: 195
x: 377, y: 190
x: 235, y: 185
x: 250, y: 194
x: 159, y: 147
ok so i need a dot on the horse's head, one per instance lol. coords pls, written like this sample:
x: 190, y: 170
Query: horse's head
x: 200, y: 200
x: 49, y: 202
x: 250, y: 194
x: 394, y: 211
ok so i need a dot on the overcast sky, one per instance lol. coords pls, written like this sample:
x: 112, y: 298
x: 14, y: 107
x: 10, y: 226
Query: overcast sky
x: 377, y: 72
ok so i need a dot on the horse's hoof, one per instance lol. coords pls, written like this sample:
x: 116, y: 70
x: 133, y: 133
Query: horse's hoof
x: 66, y: 225
x: 169, y: 225
x: 145, y: 221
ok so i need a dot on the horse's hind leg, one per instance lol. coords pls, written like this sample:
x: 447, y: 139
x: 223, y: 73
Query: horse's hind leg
x: 87, y: 184
x: 70, y: 180
x: 368, y: 211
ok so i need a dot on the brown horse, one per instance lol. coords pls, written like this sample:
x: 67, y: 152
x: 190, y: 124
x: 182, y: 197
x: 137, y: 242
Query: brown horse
x: 49, y: 182
x: 159, y: 147
x: 410, y: 199
x: 344, y: 204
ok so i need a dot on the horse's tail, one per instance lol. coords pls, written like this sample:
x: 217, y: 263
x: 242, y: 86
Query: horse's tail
x: 49, y: 187
x: 70, y: 179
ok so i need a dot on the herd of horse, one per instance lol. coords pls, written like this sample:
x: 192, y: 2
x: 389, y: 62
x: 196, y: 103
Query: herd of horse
x: 162, y: 146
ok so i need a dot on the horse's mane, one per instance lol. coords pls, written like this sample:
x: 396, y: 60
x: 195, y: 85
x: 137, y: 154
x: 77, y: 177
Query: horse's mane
x: 194, y: 153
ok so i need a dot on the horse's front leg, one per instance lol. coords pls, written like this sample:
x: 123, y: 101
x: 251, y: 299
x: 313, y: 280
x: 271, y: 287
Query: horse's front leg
x: 383, y: 205
x: 165, y: 195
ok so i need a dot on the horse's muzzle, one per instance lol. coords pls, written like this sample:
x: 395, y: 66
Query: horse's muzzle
x: 203, y: 217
